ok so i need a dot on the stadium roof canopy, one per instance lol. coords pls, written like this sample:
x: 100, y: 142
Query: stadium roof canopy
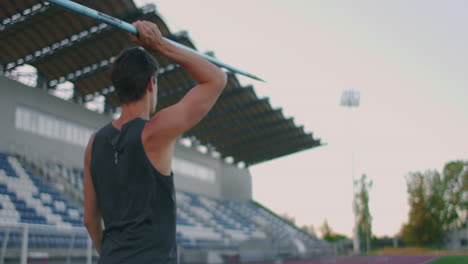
x: 63, y: 46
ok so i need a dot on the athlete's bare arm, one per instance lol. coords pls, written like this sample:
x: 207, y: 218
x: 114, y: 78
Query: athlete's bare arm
x: 92, y: 212
x: 167, y: 125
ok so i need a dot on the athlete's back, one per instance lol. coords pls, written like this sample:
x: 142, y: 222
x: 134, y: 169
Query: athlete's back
x: 138, y: 202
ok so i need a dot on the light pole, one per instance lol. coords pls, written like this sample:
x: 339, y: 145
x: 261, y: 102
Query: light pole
x: 465, y: 169
x: 350, y: 99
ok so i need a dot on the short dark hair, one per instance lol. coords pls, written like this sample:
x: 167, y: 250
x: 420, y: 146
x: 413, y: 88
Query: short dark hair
x: 131, y: 73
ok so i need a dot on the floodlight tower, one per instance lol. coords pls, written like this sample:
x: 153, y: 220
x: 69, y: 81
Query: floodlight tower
x: 465, y: 170
x: 350, y: 99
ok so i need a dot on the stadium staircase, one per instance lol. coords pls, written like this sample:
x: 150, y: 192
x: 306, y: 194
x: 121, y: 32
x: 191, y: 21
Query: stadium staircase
x: 202, y: 222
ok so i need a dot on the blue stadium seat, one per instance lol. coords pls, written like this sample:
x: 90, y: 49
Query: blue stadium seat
x: 202, y: 222
x: 5, y: 165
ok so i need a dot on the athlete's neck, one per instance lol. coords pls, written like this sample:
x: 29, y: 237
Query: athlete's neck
x: 131, y: 111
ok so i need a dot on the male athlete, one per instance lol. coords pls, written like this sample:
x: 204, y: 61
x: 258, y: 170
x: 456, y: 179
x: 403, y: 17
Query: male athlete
x: 128, y: 179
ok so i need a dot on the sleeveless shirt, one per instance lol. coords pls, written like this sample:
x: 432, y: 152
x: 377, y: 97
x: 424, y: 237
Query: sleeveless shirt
x: 137, y: 202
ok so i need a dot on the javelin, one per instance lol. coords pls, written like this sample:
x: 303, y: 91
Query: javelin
x: 86, y: 11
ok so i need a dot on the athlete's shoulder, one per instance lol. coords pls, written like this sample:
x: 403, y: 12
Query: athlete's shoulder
x: 100, y: 133
x: 160, y: 127
x: 103, y: 131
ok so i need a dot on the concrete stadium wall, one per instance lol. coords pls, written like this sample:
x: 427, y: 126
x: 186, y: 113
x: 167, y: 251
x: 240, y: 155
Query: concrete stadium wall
x: 185, y: 182
x: 13, y: 94
x: 229, y: 182
x: 236, y: 183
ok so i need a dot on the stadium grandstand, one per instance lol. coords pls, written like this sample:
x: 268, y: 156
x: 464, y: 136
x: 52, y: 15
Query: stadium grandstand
x: 54, y: 68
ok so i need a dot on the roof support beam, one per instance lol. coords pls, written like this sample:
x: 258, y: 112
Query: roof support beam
x: 50, y: 50
x: 258, y: 136
x: 68, y: 41
x: 220, y: 113
x: 276, y: 137
x: 272, y: 147
x: 215, y: 115
x: 299, y: 146
x: 259, y: 126
x: 283, y: 152
x: 249, y: 121
x: 23, y: 15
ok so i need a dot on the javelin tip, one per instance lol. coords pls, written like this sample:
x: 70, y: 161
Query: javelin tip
x: 258, y: 79
x: 254, y: 77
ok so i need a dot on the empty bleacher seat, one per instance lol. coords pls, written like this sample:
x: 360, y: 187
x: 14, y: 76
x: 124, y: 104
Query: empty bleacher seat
x: 29, y: 200
x: 202, y: 222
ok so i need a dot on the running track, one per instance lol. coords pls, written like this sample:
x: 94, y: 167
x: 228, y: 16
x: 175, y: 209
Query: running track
x: 371, y: 260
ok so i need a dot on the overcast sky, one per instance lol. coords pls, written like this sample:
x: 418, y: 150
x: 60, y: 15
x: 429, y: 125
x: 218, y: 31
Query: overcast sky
x: 407, y: 58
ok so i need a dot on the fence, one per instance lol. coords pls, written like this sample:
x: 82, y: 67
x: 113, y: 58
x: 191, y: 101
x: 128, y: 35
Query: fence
x: 31, y: 243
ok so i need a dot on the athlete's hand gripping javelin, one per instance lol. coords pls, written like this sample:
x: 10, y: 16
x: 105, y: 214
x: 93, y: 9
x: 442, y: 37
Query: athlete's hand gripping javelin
x: 149, y: 36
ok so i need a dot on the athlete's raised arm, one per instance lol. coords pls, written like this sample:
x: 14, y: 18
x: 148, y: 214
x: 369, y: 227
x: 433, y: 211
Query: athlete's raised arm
x: 173, y: 121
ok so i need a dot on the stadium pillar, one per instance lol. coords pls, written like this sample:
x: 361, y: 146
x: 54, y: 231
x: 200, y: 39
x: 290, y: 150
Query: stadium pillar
x: 89, y: 251
x: 77, y: 97
x: 4, y: 245
x: 108, y: 107
x: 41, y: 81
x: 24, y: 245
x: 70, y: 249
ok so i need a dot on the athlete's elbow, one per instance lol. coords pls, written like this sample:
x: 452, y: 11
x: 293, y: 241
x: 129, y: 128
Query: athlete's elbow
x: 90, y: 221
x: 87, y: 222
x: 219, y: 80
x: 222, y: 79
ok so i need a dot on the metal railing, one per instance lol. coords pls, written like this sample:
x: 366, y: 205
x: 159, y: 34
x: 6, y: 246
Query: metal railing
x: 32, y: 243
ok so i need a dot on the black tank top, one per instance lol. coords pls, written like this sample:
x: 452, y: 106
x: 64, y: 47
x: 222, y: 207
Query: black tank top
x: 137, y: 202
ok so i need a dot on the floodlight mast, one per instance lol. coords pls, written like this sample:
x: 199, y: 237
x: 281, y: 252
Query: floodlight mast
x: 86, y: 11
x: 351, y: 98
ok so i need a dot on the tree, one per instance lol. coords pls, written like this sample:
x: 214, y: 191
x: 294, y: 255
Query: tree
x: 326, y: 230
x: 456, y: 194
x: 309, y: 229
x: 424, y: 225
x: 289, y: 218
x: 328, y: 234
x: 361, y: 204
x: 438, y: 203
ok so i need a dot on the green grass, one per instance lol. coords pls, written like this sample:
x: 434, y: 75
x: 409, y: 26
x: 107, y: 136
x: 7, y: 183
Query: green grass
x: 451, y: 260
